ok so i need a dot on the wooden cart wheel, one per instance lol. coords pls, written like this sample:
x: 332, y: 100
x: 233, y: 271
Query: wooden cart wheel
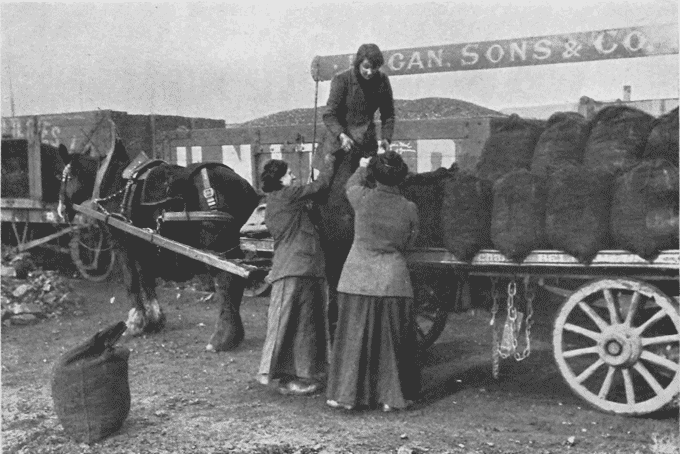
x: 431, y: 315
x: 92, y: 251
x: 616, y: 343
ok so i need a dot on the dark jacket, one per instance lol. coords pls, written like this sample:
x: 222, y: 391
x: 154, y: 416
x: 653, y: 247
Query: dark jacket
x: 385, y: 226
x: 297, y: 250
x: 352, y: 104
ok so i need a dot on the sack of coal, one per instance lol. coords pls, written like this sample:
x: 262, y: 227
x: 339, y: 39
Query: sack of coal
x: 90, y: 389
x: 662, y: 142
x: 561, y: 144
x: 518, y: 214
x: 425, y: 190
x: 509, y: 146
x: 644, y: 213
x: 466, y: 215
x: 617, y: 136
x: 577, y: 211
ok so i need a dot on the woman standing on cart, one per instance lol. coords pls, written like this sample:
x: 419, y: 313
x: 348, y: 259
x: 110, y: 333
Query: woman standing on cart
x: 373, y: 358
x: 295, y: 347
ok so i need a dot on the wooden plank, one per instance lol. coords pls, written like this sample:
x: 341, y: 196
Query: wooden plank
x: 610, y: 258
x: 153, y: 238
x: 46, y: 239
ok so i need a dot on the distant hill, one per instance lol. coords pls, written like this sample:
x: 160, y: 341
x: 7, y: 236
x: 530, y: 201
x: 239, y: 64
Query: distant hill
x: 406, y: 109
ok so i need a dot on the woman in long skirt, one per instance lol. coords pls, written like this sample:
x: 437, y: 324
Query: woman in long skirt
x: 373, y: 358
x: 294, y: 351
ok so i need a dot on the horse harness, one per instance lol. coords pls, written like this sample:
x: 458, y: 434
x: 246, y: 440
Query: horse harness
x: 140, y: 171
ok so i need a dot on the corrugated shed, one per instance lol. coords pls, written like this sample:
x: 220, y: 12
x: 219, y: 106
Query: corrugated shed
x: 406, y: 109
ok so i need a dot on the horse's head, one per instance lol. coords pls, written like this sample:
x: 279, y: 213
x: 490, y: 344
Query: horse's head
x: 77, y: 181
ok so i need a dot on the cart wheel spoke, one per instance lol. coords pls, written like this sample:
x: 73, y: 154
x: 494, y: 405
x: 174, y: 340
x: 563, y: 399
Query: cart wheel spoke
x: 590, y: 370
x: 628, y: 382
x: 660, y: 361
x: 584, y: 332
x: 632, y: 309
x: 652, y: 320
x: 607, y: 383
x: 430, y: 314
x: 649, y: 378
x: 611, y: 307
x: 661, y: 339
x: 593, y: 316
x: 580, y: 352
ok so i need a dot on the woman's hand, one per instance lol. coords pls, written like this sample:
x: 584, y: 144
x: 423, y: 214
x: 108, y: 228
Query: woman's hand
x: 363, y: 162
x: 346, y: 142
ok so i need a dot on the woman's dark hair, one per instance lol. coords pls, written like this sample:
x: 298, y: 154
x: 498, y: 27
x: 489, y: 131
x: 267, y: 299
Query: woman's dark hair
x: 272, y: 173
x: 370, y: 52
x: 389, y: 168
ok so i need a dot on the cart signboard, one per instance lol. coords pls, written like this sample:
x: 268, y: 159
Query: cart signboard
x: 629, y: 42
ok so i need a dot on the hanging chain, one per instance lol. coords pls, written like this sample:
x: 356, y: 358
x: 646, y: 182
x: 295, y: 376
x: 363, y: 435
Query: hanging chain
x: 530, y: 294
x: 509, y: 339
x: 495, y: 342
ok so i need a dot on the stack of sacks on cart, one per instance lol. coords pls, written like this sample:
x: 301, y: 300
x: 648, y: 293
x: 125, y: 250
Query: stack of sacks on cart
x: 563, y: 184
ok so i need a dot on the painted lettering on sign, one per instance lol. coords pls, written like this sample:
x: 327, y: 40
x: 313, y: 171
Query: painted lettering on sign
x: 24, y: 128
x: 565, y: 48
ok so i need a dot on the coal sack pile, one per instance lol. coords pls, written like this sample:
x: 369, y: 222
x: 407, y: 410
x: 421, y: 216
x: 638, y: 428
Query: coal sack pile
x: 644, y: 213
x: 561, y: 143
x: 577, y: 211
x: 510, y: 146
x: 617, y: 136
x: 518, y: 216
x: 466, y: 215
x: 662, y: 142
x: 425, y: 190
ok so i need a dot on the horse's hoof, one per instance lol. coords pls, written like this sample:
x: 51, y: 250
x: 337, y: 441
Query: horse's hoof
x: 136, y: 323
x: 155, y: 317
x: 229, y: 343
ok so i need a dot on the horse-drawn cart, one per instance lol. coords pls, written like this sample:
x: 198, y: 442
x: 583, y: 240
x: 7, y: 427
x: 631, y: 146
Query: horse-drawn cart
x: 616, y: 334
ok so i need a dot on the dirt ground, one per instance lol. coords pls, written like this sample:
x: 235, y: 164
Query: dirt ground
x: 186, y: 400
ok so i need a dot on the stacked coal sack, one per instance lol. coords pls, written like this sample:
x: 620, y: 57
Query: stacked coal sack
x: 577, y: 211
x: 518, y: 216
x: 617, y: 136
x: 425, y: 190
x: 466, y: 215
x: 662, y: 142
x: 510, y: 146
x: 561, y: 144
x: 644, y: 214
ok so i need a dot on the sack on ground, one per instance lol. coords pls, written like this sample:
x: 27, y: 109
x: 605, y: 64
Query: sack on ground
x: 561, y: 144
x: 509, y: 146
x: 466, y: 215
x: 90, y: 389
x: 616, y: 138
x: 644, y: 214
x: 518, y: 215
x: 662, y: 142
x: 425, y: 190
x: 577, y: 211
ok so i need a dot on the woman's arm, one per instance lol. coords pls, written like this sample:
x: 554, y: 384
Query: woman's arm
x: 356, y: 185
x: 333, y: 116
x: 387, y: 117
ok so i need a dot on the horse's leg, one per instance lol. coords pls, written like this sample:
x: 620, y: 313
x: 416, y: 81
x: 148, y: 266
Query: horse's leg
x: 155, y: 315
x: 229, y: 327
x: 137, y: 320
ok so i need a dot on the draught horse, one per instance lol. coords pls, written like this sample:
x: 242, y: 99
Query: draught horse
x: 140, y: 190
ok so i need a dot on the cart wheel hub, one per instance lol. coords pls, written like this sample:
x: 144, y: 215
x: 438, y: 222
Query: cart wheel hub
x: 620, y: 347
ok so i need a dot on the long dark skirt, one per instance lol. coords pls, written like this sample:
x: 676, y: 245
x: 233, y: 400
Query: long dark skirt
x: 296, y: 332
x: 373, y: 359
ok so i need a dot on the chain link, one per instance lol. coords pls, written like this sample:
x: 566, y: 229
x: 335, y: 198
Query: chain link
x: 530, y: 295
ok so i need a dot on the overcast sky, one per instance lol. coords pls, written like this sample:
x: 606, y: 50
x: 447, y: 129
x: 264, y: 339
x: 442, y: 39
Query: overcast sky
x: 237, y: 62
